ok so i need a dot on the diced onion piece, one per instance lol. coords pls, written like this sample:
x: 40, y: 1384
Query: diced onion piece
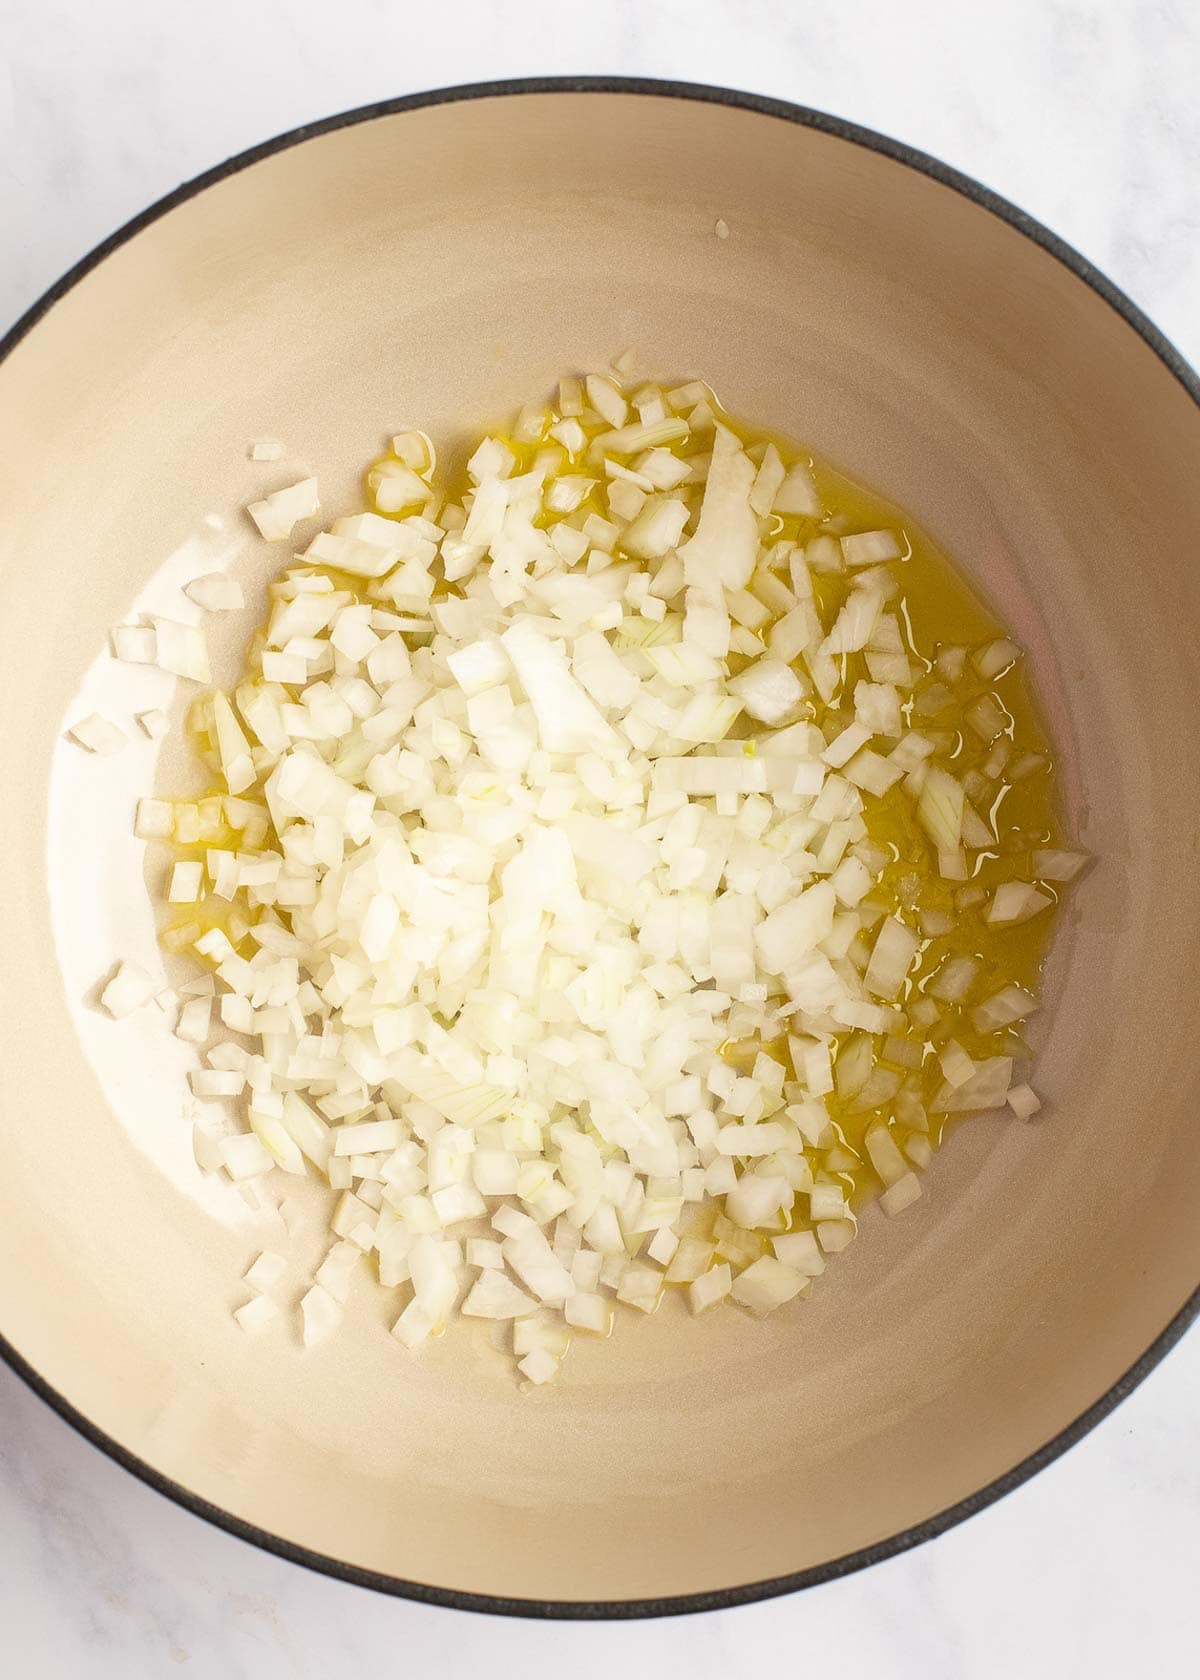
x: 181, y: 649
x: 797, y: 494
x: 265, y: 1272
x: 800, y: 1251
x: 496, y: 1296
x: 1009, y: 1004
x: 854, y: 623
x: 256, y: 1314
x: 337, y: 1270
x: 766, y: 1284
x: 640, y: 1287
x: 827, y: 1201
x: 836, y: 1234
x: 537, y: 1266
x: 277, y: 514
x: 154, y: 820
x: 539, y: 1366
x: 768, y: 482
x: 567, y: 720
x: 1015, y: 901
x: 370, y: 1138
x: 885, y: 1155
x: 867, y: 770
x: 795, y: 928
x: 129, y: 988
x: 98, y: 735
x: 901, y: 1194
x: 986, y: 1088
x: 237, y: 763
x: 656, y: 529
x: 725, y: 545
x: 892, y: 957
x: 216, y: 592
x: 868, y: 548
x: 154, y: 723
x: 918, y: 1149
x: 244, y: 1156
x: 270, y: 1132
x: 987, y: 717
x: 755, y: 1200
x: 994, y: 658
x: 134, y: 643
x: 216, y: 1082
x: 710, y: 1287
x: 769, y: 690
x: 195, y: 1021
x: 940, y: 810
x: 590, y: 1312
x: 415, y: 449
x: 321, y: 1315
x: 485, y: 1253
x: 1023, y: 1101
x: 606, y: 399
x: 1052, y: 865
x: 186, y: 882
x: 954, y: 980
x: 956, y: 1065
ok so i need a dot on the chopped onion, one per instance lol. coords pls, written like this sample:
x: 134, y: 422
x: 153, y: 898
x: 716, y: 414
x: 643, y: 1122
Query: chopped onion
x: 155, y: 724
x: 215, y: 593
x: 769, y: 689
x: 1059, y: 865
x: 957, y: 1066
x: 181, y: 649
x: 195, y: 1021
x: 265, y: 1272
x: 256, y: 1314
x: 836, y: 1234
x: 98, y: 735
x: 495, y: 1296
x: 1016, y: 902
x: 129, y: 988
x: 321, y: 1315
x: 900, y: 1195
x: 885, y: 1155
x: 992, y: 660
x: 725, y: 546
x: 509, y: 882
x: 940, y: 810
x: 134, y: 643
x: 710, y: 1287
x: 1009, y: 1004
x: 1023, y: 1101
x: 797, y: 494
x: 277, y: 514
x: 892, y: 956
x: 987, y: 1087
x: 867, y: 548
x: 766, y: 1284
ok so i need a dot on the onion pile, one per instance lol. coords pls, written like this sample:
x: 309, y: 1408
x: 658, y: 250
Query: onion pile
x: 546, y: 902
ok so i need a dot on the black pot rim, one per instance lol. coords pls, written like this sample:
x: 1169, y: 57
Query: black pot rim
x: 834, y: 1569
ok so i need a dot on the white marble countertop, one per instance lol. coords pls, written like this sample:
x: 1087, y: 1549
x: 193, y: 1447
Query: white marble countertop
x: 1084, y: 113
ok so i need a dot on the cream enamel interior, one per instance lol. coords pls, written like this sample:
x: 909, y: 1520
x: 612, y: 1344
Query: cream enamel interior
x: 434, y: 267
